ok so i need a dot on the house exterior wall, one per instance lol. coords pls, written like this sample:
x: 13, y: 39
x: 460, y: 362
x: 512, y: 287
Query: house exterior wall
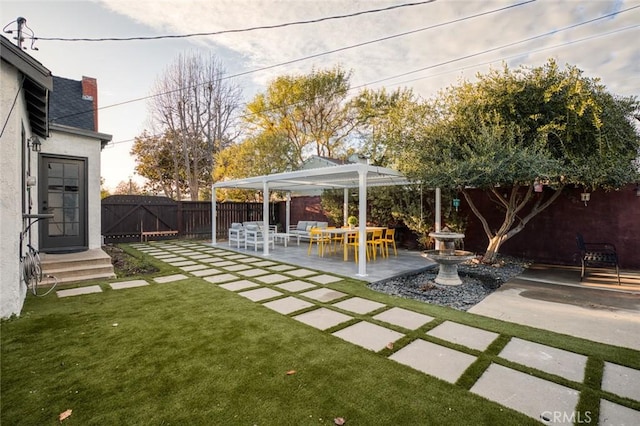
x: 12, y: 291
x: 72, y: 145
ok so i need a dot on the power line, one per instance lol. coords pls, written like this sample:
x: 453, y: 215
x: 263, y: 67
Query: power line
x: 462, y: 68
x: 341, y: 49
x: 242, y: 30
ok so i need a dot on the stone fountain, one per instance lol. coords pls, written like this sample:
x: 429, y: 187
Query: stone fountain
x: 447, y: 257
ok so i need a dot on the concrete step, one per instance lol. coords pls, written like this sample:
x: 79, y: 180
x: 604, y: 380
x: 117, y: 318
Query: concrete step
x: 73, y: 267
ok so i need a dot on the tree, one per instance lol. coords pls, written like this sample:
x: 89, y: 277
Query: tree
x: 129, y: 187
x: 511, y: 130
x: 310, y: 111
x: 194, y: 110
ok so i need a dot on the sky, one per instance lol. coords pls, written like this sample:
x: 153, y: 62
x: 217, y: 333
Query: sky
x: 447, y: 41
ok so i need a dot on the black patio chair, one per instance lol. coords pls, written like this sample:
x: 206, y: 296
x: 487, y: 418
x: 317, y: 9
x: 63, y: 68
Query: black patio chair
x: 597, y: 255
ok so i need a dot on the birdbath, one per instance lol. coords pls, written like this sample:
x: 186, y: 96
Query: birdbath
x: 447, y: 257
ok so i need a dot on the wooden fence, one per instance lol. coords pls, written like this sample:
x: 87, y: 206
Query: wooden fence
x: 126, y: 217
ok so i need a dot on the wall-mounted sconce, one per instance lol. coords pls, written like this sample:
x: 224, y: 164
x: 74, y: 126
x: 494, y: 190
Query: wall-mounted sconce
x: 585, y: 197
x: 36, y: 144
x: 456, y: 203
x: 537, y: 186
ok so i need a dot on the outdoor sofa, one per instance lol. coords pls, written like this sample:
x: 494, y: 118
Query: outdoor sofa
x: 303, y: 228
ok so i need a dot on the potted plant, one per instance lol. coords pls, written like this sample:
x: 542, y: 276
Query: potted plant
x: 352, y: 221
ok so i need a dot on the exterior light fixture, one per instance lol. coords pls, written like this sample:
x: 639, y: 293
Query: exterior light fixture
x: 537, y: 186
x: 36, y: 144
x: 585, y: 197
x: 456, y: 203
x: 637, y: 190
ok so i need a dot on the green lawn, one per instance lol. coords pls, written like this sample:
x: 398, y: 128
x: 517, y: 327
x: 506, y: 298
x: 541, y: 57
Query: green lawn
x: 192, y: 353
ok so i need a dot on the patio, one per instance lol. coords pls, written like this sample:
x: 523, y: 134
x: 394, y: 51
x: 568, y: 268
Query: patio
x: 407, y: 261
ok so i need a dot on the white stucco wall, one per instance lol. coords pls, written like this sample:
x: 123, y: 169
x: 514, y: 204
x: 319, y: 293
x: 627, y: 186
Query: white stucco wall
x: 68, y: 144
x: 12, y: 291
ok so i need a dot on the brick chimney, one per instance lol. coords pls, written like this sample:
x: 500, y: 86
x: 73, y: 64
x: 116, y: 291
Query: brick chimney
x: 90, y: 92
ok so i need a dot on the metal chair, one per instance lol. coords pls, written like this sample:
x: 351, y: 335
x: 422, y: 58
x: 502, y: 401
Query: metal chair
x: 597, y: 255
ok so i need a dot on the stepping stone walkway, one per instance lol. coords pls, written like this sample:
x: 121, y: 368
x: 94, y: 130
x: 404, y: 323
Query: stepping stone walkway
x: 372, y: 325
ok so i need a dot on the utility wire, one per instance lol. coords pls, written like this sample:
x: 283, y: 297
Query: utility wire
x: 242, y: 30
x: 457, y: 69
x: 268, y: 67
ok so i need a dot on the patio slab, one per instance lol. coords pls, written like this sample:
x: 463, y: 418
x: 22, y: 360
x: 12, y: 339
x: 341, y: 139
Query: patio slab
x: 555, y: 361
x: 239, y: 285
x: 174, y: 259
x: 288, y: 305
x: 325, y: 279
x: 261, y: 293
x: 264, y: 263
x: 248, y: 259
x: 79, y: 291
x: 404, y: 318
x: 465, y: 335
x: 253, y: 272
x: 359, y: 305
x: 237, y: 267
x: 198, y: 256
x: 323, y: 294
x: 295, y: 286
x: 612, y: 414
x: 222, y: 263
x: 369, y: 336
x: 272, y: 278
x: 216, y: 279
x: 301, y: 273
x: 537, y: 398
x: 205, y: 272
x: 322, y: 318
x: 435, y: 360
x: 170, y: 278
x: 621, y: 380
x: 280, y: 268
x: 128, y: 284
x: 195, y: 267
x: 182, y: 263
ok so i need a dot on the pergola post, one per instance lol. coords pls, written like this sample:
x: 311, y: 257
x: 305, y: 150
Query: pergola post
x: 345, y: 207
x: 265, y: 216
x: 362, y: 223
x: 214, y: 216
x: 287, y: 213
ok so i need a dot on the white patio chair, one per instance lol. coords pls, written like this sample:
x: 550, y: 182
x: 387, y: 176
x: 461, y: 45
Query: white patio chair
x: 255, y: 237
x: 236, y: 234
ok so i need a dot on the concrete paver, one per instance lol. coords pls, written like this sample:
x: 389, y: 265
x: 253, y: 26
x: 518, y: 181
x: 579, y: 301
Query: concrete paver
x: 323, y: 294
x: 217, y: 279
x: 295, y: 286
x: 435, y: 360
x: 465, y: 335
x: 239, y: 285
x: 288, y: 305
x: 182, y: 263
x: 621, y: 380
x: 369, y: 336
x: 261, y: 293
x: 612, y: 414
x: 301, y: 273
x: 237, y: 267
x: 170, y: 278
x: 253, y: 272
x: 205, y: 272
x: 128, y: 284
x: 324, y: 279
x: 282, y: 267
x: 403, y: 318
x: 272, y: 278
x: 79, y: 291
x: 359, y: 305
x: 222, y: 263
x: 196, y: 267
x: 540, y: 399
x: 264, y: 263
x: 552, y: 360
x: 322, y: 318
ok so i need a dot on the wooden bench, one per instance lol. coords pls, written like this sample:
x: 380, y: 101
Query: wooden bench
x: 144, y: 236
x: 597, y: 255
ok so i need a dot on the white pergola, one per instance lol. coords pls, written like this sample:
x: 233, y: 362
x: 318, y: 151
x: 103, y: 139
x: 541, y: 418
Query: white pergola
x: 346, y: 177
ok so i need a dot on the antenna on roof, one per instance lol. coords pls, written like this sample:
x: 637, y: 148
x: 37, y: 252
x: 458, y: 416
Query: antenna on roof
x: 21, y: 31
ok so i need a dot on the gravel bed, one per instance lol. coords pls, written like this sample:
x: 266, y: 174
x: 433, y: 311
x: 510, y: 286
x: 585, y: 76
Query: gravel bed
x: 478, y: 281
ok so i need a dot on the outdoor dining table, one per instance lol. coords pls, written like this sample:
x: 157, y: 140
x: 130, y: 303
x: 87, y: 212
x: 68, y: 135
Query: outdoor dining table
x: 346, y: 232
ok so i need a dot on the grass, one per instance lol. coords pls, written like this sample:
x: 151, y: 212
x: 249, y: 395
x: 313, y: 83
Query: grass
x: 193, y: 353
